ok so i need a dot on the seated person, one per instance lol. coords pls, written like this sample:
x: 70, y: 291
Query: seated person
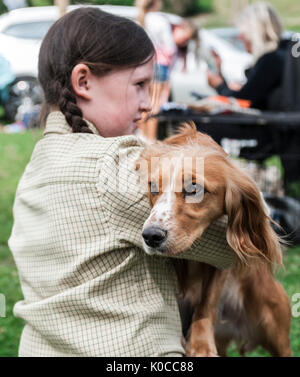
x: 260, y: 30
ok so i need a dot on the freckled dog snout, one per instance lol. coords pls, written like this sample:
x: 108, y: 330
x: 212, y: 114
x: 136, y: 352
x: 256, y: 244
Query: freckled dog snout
x: 154, y: 236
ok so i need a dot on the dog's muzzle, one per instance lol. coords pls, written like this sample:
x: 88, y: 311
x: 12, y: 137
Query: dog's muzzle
x: 154, y: 236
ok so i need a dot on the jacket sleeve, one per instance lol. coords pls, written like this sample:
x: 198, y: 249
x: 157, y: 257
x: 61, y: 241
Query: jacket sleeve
x: 128, y: 208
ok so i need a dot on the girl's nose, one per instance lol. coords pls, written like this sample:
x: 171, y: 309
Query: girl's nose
x: 146, y: 104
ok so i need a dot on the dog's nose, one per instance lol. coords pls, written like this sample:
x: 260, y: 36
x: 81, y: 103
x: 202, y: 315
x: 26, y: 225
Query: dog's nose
x: 154, y: 236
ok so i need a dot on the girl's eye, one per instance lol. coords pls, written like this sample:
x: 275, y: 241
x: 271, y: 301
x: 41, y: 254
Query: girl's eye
x: 193, y: 189
x: 154, y: 188
x: 140, y: 83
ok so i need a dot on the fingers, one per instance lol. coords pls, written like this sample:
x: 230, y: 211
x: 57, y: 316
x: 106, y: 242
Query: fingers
x: 213, y: 79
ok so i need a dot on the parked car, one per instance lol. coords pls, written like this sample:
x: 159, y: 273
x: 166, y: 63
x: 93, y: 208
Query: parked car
x: 7, y: 77
x: 22, y: 30
x: 231, y: 35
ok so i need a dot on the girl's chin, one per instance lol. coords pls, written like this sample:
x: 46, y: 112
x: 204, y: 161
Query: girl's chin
x: 131, y: 129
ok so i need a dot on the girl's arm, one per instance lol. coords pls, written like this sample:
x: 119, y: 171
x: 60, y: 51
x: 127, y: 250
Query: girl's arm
x: 262, y: 79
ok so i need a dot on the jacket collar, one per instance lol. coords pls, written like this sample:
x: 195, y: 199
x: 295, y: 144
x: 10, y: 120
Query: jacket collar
x: 56, y: 124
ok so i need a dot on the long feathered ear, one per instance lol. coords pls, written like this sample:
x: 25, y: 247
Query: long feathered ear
x: 249, y: 231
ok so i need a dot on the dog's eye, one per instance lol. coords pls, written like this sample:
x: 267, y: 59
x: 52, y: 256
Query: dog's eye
x: 154, y: 188
x: 193, y: 189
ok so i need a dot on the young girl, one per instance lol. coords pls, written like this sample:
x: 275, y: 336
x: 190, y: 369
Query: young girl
x: 89, y: 288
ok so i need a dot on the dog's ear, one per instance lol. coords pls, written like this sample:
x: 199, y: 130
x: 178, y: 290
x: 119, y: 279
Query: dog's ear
x: 249, y: 230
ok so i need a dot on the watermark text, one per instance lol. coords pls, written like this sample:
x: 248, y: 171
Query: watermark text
x: 2, y: 306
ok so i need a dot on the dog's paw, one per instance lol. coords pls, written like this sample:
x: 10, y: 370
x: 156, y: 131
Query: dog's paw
x: 203, y: 350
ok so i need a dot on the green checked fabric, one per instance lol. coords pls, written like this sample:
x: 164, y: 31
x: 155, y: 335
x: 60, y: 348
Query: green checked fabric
x: 89, y: 288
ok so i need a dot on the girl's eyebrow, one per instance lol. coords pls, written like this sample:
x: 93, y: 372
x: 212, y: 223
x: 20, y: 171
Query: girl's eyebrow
x: 143, y: 78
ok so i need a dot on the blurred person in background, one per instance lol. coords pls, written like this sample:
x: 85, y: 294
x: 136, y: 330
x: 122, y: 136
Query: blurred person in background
x: 183, y: 33
x: 171, y: 42
x: 260, y: 30
x: 159, y: 30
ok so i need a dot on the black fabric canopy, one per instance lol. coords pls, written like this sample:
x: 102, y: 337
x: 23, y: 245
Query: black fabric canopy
x: 275, y: 133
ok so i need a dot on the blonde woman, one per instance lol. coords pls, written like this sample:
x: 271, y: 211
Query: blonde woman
x: 159, y: 30
x: 260, y: 29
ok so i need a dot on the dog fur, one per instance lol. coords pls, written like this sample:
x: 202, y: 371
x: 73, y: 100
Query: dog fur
x: 244, y: 304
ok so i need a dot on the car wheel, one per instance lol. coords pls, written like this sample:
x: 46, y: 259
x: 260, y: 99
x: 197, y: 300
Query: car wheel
x: 24, y: 97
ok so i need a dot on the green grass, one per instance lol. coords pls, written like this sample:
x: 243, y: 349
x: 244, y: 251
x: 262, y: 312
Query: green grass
x: 15, y: 151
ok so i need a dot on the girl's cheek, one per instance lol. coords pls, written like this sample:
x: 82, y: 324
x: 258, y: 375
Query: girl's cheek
x: 148, y: 98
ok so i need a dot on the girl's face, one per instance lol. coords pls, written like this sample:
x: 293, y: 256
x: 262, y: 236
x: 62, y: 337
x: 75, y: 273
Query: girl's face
x: 117, y: 100
x: 182, y: 35
x: 157, y: 6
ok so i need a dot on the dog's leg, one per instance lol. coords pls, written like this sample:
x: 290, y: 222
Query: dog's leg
x: 268, y: 311
x: 201, y: 340
x: 222, y: 345
x: 275, y: 325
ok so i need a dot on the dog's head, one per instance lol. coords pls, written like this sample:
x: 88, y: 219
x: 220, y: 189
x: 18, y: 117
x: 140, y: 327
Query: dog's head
x: 191, y: 183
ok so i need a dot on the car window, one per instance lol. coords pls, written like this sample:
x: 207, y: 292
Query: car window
x: 234, y: 41
x: 231, y: 36
x: 29, y: 30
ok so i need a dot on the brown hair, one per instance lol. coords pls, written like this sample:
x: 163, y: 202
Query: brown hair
x: 100, y: 40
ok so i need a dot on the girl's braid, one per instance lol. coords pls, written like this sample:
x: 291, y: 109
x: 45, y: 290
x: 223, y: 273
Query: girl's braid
x: 73, y: 114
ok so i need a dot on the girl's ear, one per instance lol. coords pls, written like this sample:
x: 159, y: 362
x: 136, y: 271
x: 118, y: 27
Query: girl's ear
x: 80, y: 79
x: 249, y: 231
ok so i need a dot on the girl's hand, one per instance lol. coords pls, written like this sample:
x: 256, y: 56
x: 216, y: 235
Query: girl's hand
x: 235, y: 86
x: 214, y: 79
x: 217, y: 59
